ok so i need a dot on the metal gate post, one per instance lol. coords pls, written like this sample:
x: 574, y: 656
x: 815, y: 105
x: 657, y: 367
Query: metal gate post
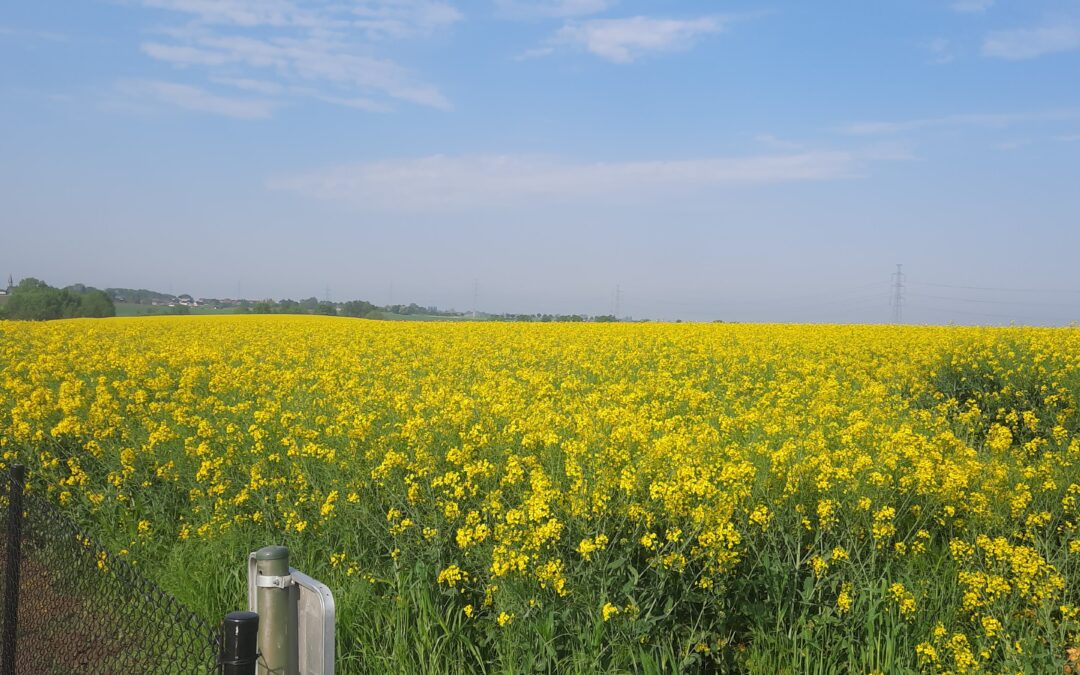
x: 239, y: 650
x: 277, y: 627
x: 16, y: 482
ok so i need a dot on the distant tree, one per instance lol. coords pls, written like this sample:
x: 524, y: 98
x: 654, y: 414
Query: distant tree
x: 263, y: 307
x: 358, y: 308
x: 35, y: 300
x: 140, y: 296
x: 96, y: 303
x: 327, y: 308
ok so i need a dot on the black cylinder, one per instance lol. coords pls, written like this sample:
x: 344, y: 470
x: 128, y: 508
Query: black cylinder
x: 239, y: 643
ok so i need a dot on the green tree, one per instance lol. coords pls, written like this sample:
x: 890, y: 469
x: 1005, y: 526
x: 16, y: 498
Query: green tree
x: 35, y: 300
x: 96, y: 303
x: 357, y: 308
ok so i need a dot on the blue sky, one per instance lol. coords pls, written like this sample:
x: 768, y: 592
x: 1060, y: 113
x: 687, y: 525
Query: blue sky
x: 714, y: 160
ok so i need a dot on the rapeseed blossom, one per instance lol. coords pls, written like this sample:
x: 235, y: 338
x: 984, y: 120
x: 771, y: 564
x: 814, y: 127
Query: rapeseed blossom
x: 525, y: 469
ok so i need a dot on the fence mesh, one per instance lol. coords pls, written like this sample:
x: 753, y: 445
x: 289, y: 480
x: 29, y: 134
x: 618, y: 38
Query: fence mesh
x: 81, y: 610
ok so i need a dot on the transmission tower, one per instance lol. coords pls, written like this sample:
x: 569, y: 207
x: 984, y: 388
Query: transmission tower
x: 475, y: 293
x: 898, y: 278
x: 618, y: 301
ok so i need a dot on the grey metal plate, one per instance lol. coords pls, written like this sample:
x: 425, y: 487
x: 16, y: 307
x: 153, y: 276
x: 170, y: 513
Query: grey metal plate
x: 314, y: 619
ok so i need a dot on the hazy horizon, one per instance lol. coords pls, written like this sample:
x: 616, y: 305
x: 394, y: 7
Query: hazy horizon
x: 733, y: 161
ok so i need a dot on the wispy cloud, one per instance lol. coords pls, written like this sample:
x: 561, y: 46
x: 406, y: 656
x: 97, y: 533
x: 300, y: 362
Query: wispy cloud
x: 286, y: 49
x: 247, y: 84
x: 441, y: 182
x: 1014, y: 144
x: 940, y: 50
x: 971, y: 6
x: 36, y: 35
x: 628, y: 39
x: 986, y: 120
x: 196, y: 99
x: 537, y: 9
x: 1027, y: 43
x: 1068, y: 138
x: 771, y: 141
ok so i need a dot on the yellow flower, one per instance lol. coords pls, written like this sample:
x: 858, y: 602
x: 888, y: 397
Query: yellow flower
x: 609, y: 610
x: 904, y: 600
x: 843, y: 600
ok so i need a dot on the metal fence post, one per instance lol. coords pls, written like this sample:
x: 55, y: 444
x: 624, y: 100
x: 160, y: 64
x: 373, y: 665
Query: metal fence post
x: 277, y: 637
x: 16, y: 481
x: 239, y: 643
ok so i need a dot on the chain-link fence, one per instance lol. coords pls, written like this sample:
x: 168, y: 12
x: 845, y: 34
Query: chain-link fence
x: 81, y: 610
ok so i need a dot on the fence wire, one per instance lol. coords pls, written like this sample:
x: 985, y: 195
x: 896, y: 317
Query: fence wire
x: 81, y: 610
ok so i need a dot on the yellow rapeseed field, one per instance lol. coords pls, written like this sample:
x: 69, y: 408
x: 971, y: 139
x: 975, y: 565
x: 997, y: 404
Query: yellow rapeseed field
x: 584, y: 497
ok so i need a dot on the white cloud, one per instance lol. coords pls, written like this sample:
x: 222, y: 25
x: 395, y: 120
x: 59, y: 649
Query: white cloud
x: 533, y: 9
x: 771, y: 141
x: 404, y: 18
x: 971, y: 6
x: 323, y: 51
x: 1028, y: 43
x: 196, y: 99
x: 940, y: 50
x: 182, y: 54
x: 19, y: 33
x: 441, y: 182
x: 257, y: 86
x: 626, y: 40
x: 986, y: 120
x: 247, y: 13
x: 1014, y: 144
x: 305, y: 61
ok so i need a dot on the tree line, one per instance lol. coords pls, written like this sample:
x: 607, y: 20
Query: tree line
x: 35, y: 300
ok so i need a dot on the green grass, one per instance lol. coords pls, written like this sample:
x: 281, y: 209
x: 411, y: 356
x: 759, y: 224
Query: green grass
x: 390, y: 316
x: 136, y: 309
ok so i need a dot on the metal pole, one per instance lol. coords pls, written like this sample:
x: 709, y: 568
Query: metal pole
x: 16, y: 481
x: 277, y: 641
x: 239, y: 643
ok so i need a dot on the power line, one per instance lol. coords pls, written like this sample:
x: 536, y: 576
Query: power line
x: 898, y: 294
x: 999, y: 289
x: 1012, y: 317
x: 837, y: 295
x: 1025, y: 303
